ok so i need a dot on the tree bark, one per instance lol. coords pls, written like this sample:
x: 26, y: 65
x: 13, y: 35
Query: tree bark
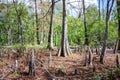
x: 50, y: 37
x: 20, y: 27
x: 118, y: 10
x: 99, y: 17
x: 9, y: 28
x: 32, y: 65
x: 37, y: 28
x: 85, y: 26
x: 103, y: 52
x: 88, y: 57
x: 22, y: 33
x: 102, y: 56
x: 42, y: 32
x: 9, y: 36
x: 116, y: 47
x: 64, y: 49
x: 118, y: 60
x: 42, y: 27
x: 99, y: 9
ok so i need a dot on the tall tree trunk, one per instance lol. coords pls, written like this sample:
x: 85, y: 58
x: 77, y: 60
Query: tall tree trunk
x: 99, y: 9
x: 37, y: 28
x: 103, y: 9
x: 99, y: 17
x: 64, y: 50
x: 9, y: 28
x: 103, y: 53
x: 50, y: 36
x: 9, y: 36
x: 20, y: 27
x: 42, y: 32
x: 102, y: 56
x: 42, y: 27
x: 32, y: 65
x: 118, y: 10
x: 85, y: 26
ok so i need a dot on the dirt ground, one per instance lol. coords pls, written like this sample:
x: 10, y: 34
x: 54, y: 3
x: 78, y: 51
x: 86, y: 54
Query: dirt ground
x: 64, y: 68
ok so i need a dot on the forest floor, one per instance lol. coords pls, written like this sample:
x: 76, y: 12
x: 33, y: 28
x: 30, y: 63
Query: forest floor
x: 64, y: 68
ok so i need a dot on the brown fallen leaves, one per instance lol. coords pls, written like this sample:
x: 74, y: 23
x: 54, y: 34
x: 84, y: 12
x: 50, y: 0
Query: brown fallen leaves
x: 61, y: 67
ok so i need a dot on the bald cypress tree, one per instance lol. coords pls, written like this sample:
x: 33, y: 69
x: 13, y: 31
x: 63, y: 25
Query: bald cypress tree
x: 64, y: 49
x: 118, y: 10
x: 107, y: 20
x: 50, y: 37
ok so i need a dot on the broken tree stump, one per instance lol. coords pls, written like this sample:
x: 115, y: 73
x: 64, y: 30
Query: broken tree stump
x: 32, y: 65
x: 50, y: 59
x: 116, y: 47
x: 118, y: 60
x: 88, y: 57
x: 76, y: 72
